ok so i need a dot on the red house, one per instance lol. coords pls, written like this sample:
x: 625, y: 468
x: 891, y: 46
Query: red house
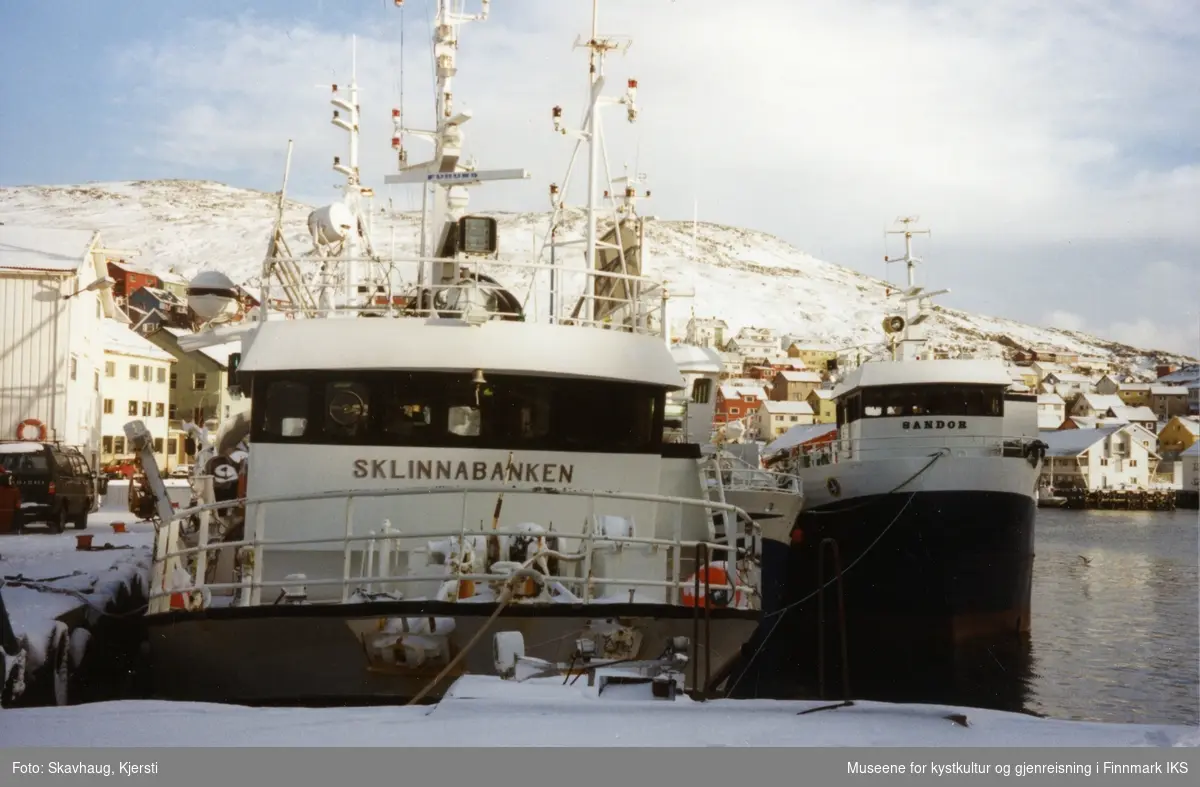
x: 129, y: 279
x: 735, y: 402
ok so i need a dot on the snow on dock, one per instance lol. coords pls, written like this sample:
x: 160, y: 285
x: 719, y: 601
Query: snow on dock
x: 501, y: 713
x: 46, y: 580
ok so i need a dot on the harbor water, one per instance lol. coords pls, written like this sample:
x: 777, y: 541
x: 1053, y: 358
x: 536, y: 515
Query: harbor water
x: 1116, y: 621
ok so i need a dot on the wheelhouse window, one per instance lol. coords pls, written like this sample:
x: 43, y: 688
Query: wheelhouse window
x: 701, y: 390
x: 907, y: 401
x: 286, y: 411
x: 446, y: 410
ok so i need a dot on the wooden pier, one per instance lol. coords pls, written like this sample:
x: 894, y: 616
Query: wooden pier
x: 1120, y: 499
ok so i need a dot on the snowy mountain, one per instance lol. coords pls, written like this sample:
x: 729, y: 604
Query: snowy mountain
x: 743, y: 276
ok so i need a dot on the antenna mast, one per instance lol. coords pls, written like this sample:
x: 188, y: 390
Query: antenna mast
x: 444, y: 176
x: 592, y: 135
x: 917, y: 302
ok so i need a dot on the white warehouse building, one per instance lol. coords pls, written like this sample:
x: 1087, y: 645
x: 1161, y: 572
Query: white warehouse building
x: 54, y: 292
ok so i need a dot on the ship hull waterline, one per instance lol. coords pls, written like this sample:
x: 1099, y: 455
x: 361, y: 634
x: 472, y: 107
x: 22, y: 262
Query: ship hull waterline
x: 316, y: 653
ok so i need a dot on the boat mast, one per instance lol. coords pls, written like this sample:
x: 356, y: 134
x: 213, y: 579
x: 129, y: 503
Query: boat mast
x: 352, y: 191
x: 917, y: 302
x: 445, y: 176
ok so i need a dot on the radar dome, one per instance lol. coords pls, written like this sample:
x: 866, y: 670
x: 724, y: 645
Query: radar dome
x: 212, y: 294
x: 331, y: 224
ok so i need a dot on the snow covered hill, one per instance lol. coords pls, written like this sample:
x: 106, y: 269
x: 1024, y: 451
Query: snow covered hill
x: 743, y: 276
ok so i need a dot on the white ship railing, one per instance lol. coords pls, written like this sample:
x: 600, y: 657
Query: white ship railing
x: 572, y: 296
x: 847, y: 449
x: 170, y: 557
x: 737, y: 473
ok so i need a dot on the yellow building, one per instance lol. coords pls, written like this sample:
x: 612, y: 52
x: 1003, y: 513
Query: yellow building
x: 815, y: 356
x: 823, y: 407
x: 1135, y: 394
x: 1179, y: 434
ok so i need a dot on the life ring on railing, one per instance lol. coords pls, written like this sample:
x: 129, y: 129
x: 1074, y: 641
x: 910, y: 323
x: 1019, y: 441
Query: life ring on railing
x: 716, y: 597
x: 36, y: 424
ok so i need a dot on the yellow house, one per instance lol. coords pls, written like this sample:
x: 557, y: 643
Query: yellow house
x: 1179, y: 434
x: 815, y: 356
x: 1135, y: 394
x: 823, y: 407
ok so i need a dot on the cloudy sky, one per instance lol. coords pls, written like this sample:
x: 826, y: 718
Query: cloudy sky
x: 1053, y: 146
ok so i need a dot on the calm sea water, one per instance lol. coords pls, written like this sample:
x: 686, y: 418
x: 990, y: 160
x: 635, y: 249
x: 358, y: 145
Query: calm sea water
x: 1116, y: 637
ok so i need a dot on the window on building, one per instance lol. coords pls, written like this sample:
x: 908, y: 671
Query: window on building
x: 119, y: 444
x: 173, y: 411
x: 172, y: 446
x: 158, y: 445
x: 1133, y: 463
x: 74, y: 366
x: 110, y: 369
x: 701, y: 391
x: 733, y: 411
x: 160, y: 409
x: 162, y: 375
x: 95, y: 380
x: 147, y: 373
x: 133, y: 408
x: 107, y: 444
x: 174, y: 380
x: 133, y: 371
x: 199, y: 381
x: 145, y: 409
x: 108, y: 406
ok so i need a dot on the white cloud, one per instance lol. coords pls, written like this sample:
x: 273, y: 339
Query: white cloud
x: 1011, y: 124
x: 1066, y: 321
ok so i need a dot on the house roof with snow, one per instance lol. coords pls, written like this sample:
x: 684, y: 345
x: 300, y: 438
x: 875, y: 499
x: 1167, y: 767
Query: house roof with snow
x: 821, y: 347
x: 799, y: 435
x: 51, y: 249
x: 1188, y: 375
x: 786, y: 408
x: 1133, y: 414
x: 1069, y: 377
x: 1073, y: 442
x: 119, y: 339
x: 799, y: 376
x: 1189, y: 423
x: 742, y: 392
x: 1136, y: 387
x: 1168, y: 390
x: 822, y: 393
x: 1101, y: 402
x: 1050, y: 398
x: 218, y: 353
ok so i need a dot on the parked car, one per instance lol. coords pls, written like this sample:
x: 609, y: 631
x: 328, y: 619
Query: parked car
x: 57, y: 485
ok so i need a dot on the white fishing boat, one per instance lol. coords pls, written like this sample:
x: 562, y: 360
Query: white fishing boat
x: 468, y: 462
x: 929, y: 492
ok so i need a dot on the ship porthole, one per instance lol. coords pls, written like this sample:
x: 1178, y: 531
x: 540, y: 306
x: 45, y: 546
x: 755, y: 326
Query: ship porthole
x: 834, y: 487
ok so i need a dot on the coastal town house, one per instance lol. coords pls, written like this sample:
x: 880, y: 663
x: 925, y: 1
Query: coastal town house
x: 823, y: 405
x: 775, y: 418
x: 737, y: 402
x: 1168, y: 401
x: 706, y: 332
x: 815, y: 355
x: 1051, y: 411
x: 1094, y: 405
x: 1110, y: 457
x: 794, y: 386
x: 135, y: 386
x: 1178, y: 435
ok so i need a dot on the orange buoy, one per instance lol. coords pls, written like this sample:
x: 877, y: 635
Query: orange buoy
x: 711, y: 574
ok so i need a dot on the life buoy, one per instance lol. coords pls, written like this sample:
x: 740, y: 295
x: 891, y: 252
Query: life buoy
x: 716, y: 597
x: 36, y: 424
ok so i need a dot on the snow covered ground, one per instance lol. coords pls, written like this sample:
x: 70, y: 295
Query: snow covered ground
x: 498, y: 713
x: 72, y: 579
